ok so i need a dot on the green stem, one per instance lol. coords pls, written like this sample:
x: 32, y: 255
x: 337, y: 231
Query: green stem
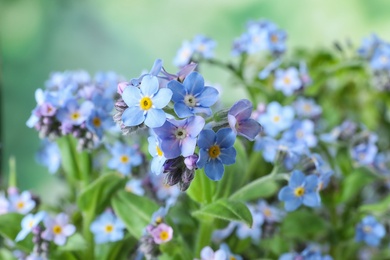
x: 204, y: 235
x: 87, y: 220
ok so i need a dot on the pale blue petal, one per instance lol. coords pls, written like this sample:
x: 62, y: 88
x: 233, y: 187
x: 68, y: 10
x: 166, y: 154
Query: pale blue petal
x: 293, y: 204
x: 228, y: 156
x: 379, y: 230
x: 194, y: 83
x: 202, y: 110
x: 208, y: 97
x: 312, y: 199
x: 22, y: 234
x: 178, y: 90
x: 214, y: 170
x: 155, y: 118
x: 203, y: 157
x: 188, y: 146
x: 297, y: 178
x: 101, y: 238
x: 132, y: 96
x: 226, y: 137
x: 116, y: 235
x: 149, y: 85
x: 182, y: 110
x: 195, y: 124
x: 133, y: 116
x: 157, y: 165
x: 162, y: 98
x: 311, y: 182
x: 286, y: 193
x: 206, y: 139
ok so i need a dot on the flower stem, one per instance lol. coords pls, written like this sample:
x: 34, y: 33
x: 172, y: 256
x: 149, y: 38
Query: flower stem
x: 204, y: 235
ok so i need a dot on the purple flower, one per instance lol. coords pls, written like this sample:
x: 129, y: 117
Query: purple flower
x: 162, y: 233
x: 216, y: 149
x: 145, y: 103
x: 192, y: 97
x: 58, y: 229
x: 301, y: 189
x: 240, y: 121
x: 178, y: 137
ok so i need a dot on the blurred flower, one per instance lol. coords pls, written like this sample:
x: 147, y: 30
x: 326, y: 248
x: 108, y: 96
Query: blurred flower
x: 271, y: 214
x: 216, y: 149
x: 162, y: 233
x: 305, y: 107
x: 74, y: 114
x: 300, y: 190
x: 204, y: 46
x: 184, y: 54
x: 364, y: 153
x: 301, y: 132
x: 107, y: 228
x: 370, y: 231
x: 276, y: 118
x: 381, y: 58
x: 368, y: 46
x: 58, y: 229
x: 207, y: 253
x: 21, y: 203
x: 229, y: 254
x: 4, y: 204
x: 135, y: 186
x: 99, y: 121
x: 123, y: 158
x: 49, y: 155
x: 28, y: 223
x: 287, y: 81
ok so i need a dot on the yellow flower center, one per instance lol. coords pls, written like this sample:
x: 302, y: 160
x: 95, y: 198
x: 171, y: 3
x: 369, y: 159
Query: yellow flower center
x: 276, y: 119
x: 57, y: 229
x: 300, y: 134
x: 287, y: 80
x: 159, y: 220
x: 97, y: 122
x: 124, y: 159
x: 159, y: 152
x: 232, y: 258
x: 145, y: 103
x: 164, y: 235
x: 267, y: 212
x: 299, y: 192
x: 108, y: 228
x: 274, y: 38
x: 31, y: 224
x: 307, y: 108
x: 367, y: 229
x: 214, y: 151
x: 20, y: 205
x: 75, y: 116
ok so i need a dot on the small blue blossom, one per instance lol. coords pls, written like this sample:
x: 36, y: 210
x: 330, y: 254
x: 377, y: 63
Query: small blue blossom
x: 135, y: 186
x: 99, y: 121
x: 287, y: 81
x: 305, y: 107
x: 58, y: 229
x: 158, y: 155
x: 145, y: 103
x: 204, y: 46
x: 123, y: 158
x: 164, y: 192
x: 207, y: 253
x: 49, y: 155
x: 381, y: 58
x: 244, y: 231
x: 178, y: 137
x: 370, y: 231
x: 301, y: 132
x: 368, y: 46
x: 74, y: 114
x: 271, y: 214
x: 364, y: 153
x: 28, y: 223
x: 184, y: 54
x: 107, y: 228
x: 216, y: 149
x: 21, y: 203
x: 192, y: 97
x: 270, y: 68
x: 229, y: 254
x: 300, y: 190
x: 310, y: 253
x: 276, y: 118
x: 277, y: 40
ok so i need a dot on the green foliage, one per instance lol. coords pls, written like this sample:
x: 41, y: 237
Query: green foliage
x: 10, y: 227
x: 202, y: 188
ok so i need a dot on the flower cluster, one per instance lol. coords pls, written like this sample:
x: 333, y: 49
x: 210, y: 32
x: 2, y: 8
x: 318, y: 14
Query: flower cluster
x: 201, y: 47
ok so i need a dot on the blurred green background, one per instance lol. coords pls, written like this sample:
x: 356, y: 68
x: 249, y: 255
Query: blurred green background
x: 41, y: 36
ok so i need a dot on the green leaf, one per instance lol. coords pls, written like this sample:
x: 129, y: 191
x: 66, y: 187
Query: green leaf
x: 6, y: 254
x: 354, y: 183
x: 378, y: 208
x: 69, y: 155
x: 96, y: 196
x: 75, y: 243
x: 202, y: 188
x: 255, y: 190
x: 226, y: 209
x: 135, y: 211
x: 10, y: 226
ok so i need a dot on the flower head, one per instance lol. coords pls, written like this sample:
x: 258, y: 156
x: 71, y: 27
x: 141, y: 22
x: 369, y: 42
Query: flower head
x: 370, y: 231
x: 28, y: 223
x: 58, y: 229
x: 208, y: 253
x: 123, y: 158
x: 135, y: 186
x: 287, y: 81
x: 301, y: 132
x: 276, y: 118
x: 300, y: 190
x: 305, y: 107
x: 49, y: 155
x: 107, y: 228
x: 216, y: 149
x: 22, y: 203
x: 162, y: 233
x: 145, y: 103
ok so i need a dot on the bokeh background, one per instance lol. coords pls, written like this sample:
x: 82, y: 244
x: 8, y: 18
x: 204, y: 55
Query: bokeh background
x: 38, y: 37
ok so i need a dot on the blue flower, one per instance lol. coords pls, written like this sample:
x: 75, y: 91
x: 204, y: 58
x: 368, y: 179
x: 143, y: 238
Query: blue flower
x: 178, y: 137
x: 135, y: 186
x: 369, y: 45
x: 381, y: 58
x: 158, y: 155
x: 28, y: 223
x: 364, y: 153
x: 49, y: 155
x: 216, y: 149
x: 204, y: 46
x: 229, y: 254
x: 240, y: 122
x: 300, y: 190
x: 123, y: 158
x: 74, y: 114
x: 305, y: 107
x: 370, y: 231
x: 301, y: 132
x: 184, y: 54
x: 192, y: 97
x: 145, y: 103
x: 276, y: 118
x: 21, y: 203
x: 98, y: 121
x: 277, y: 40
x: 107, y: 228
x: 287, y: 81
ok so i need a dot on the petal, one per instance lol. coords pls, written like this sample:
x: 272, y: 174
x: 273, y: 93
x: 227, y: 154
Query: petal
x: 133, y: 116
x: 68, y: 230
x: 214, y: 170
x: 232, y: 123
x: 178, y: 90
x: 225, y: 137
x: 116, y: 235
x: 208, y: 97
x: 149, y: 85
x: 60, y: 240
x: 311, y: 182
x: 193, y: 83
x: 188, y: 146
x: 249, y: 129
x: 296, y: 179
x: 157, y: 165
x: 286, y: 193
x: 379, y: 230
x: 206, y: 138
x: 241, y: 109
x: 132, y: 96
x: 156, y: 67
x: 228, y: 156
x: 207, y: 253
x: 202, y: 110
x: 170, y: 148
x: 162, y: 98
x: 195, y: 124
x: 166, y: 131
x: 101, y: 238
x: 182, y: 110
x: 312, y: 199
x: 155, y: 118
x: 22, y: 235
x: 293, y: 204
x: 203, y: 157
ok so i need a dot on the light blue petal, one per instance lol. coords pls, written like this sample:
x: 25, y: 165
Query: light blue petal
x: 182, y: 110
x: 206, y: 138
x: 225, y: 137
x: 203, y: 157
x: 194, y: 83
x: 133, y: 116
x: 178, y: 90
x: 202, y: 110
x: 208, y: 97
x: 116, y: 235
x: 311, y: 183
x: 312, y: 199
x: 286, y: 193
x: 155, y: 118
x: 379, y: 230
x: 132, y: 96
x: 214, y: 170
x: 297, y: 178
x: 195, y: 124
x: 152, y: 144
x: 293, y: 204
x: 157, y: 165
x: 170, y: 148
x: 149, y: 85
x: 162, y: 98
x: 22, y: 235
x: 101, y: 238
x: 188, y: 146
x: 228, y: 156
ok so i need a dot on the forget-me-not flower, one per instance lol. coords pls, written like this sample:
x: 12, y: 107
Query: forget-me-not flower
x: 276, y: 118
x: 301, y: 132
x: 58, y: 229
x: 21, y: 203
x: 207, y: 253
x: 49, y: 155
x: 124, y: 157
x: 107, y: 228
x: 216, y: 149
x: 300, y: 190
x: 74, y: 114
x: 370, y: 231
x: 162, y: 233
x: 305, y: 107
x: 158, y: 155
x: 287, y: 81
x: 184, y: 54
x: 28, y: 223
x: 192, y: 97
x: 135, y: 186
x: 145, y: 103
